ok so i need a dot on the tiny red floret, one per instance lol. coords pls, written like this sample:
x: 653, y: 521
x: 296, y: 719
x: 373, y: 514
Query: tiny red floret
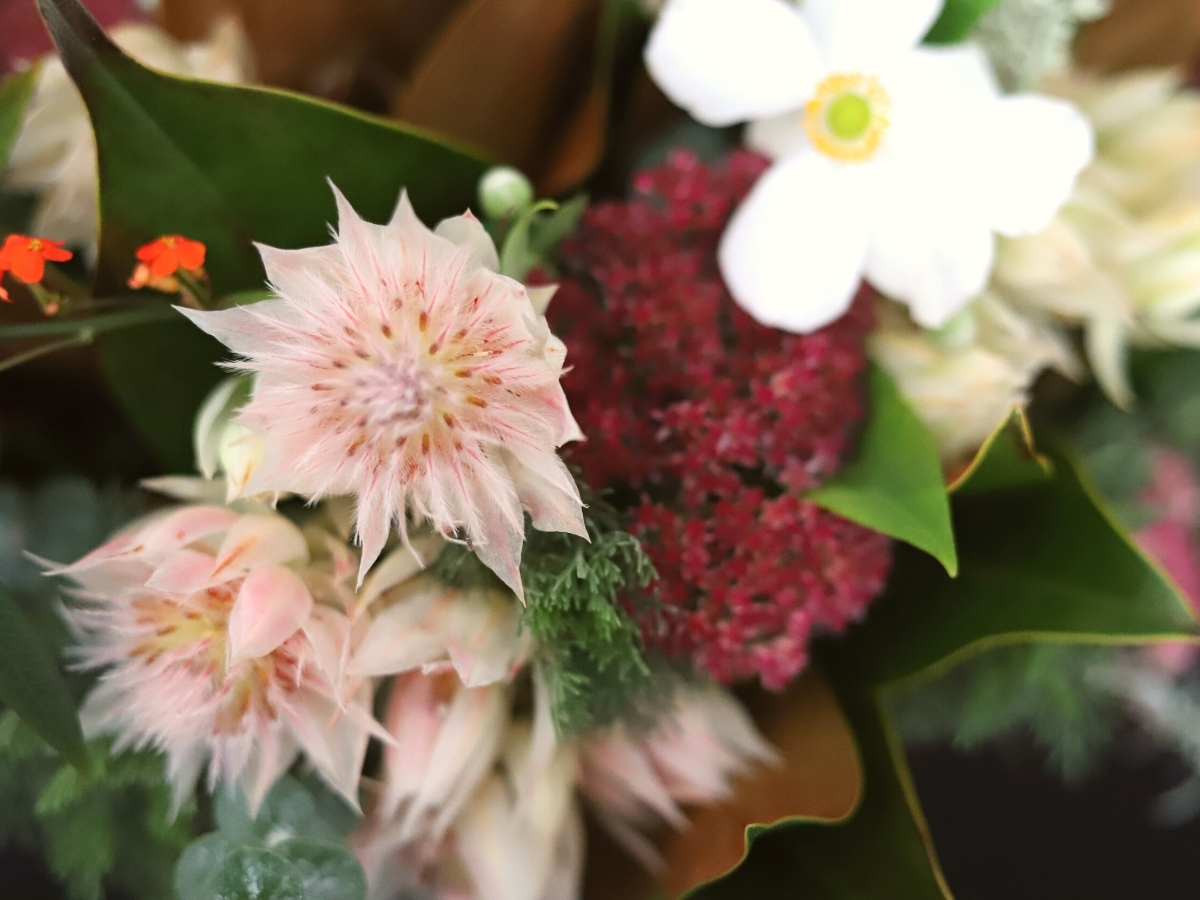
x: 712, y: 426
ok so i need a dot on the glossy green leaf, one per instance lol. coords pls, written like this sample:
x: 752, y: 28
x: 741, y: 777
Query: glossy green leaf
x: 288, y: 809
x: 198, y: 867
x: 162, y: 372
x: 32, y: 685
x: 895, y: 484
x: 255, y: 873
x: 1043, y: 561
x: 15, y: 93
x: 227, y: 166
x: 1007, y: 459
x: 327, y: 870
x: 957, y: 20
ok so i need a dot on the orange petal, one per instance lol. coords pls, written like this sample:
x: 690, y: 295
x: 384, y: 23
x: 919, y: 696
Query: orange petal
x: 191, y: 254
x: 29, y: 267
x: 165, y: 263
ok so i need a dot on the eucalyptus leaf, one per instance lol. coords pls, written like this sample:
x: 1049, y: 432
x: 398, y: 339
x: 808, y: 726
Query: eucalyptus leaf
x: 15, y: 94
x: 198, y: 867
x: 288, y: 811
x: 895, y: 484
x: 32, y: 685
x: 255, y: 873
x: 957, y: 20
x: 328, y: 871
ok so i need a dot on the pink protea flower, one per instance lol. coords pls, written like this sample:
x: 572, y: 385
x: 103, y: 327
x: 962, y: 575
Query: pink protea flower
x: 222, y: 643
x: 480, y: 804
x: 399, y: 367
x: 636, y: 782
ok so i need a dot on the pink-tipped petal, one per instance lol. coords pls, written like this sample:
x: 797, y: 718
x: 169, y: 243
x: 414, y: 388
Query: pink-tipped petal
x: 271, y: 606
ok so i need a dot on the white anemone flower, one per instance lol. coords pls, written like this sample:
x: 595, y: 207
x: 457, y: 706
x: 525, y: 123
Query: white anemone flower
x: 894, y: 161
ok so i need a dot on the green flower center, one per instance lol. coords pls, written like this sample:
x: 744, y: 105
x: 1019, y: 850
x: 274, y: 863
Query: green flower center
x: 847, y: 117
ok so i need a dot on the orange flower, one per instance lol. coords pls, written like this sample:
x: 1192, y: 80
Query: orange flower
x: 170, y: 253
x: 26, y: 257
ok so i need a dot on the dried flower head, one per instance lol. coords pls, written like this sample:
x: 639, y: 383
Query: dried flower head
x: 222, y: 643
x: 397, y: 366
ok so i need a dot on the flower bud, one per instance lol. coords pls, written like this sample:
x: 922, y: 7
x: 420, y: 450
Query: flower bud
x: 504, y: 191
x: 241, y: 453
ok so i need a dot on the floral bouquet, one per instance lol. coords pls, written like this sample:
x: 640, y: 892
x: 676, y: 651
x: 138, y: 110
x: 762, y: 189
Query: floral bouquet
x: 387, y: 517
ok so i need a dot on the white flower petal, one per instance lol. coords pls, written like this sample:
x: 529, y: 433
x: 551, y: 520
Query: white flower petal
x: 468, y: 232
x: 779, y: 136
x: 864, y: 33
x: 933, y: 257
x: 793, y: 253
x: 727, y: 61
x: 1032, y: 153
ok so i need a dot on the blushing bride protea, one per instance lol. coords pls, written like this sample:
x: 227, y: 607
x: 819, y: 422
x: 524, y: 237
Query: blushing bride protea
x: 222, y: 642
x: 894, y: 162
x: 399, y: 367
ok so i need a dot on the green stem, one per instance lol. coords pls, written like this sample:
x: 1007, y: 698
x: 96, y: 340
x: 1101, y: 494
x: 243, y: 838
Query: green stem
x: 80, y: 340
x: 92, y: 325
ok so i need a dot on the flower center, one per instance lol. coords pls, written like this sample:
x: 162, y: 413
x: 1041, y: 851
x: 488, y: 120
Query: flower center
x: 847, y: 117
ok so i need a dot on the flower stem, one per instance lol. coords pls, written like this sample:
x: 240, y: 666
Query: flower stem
x: 82, y: 339
x: 92, y: 325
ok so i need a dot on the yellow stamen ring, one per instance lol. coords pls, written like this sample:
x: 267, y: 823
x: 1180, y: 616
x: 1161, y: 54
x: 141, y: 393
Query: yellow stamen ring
x: 848, y: 116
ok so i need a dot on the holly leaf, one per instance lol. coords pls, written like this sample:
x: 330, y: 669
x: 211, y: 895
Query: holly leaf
x: 1040, y: 562
x: 225, y: 165
x: 1007, y: 459
x: 32, y: 685
x: 15, y: 94
x: 895, y: 484
x: 958, y: 19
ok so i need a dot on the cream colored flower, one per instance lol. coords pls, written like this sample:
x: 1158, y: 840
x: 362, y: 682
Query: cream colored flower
x: 964, y: 379
x: 1122, y: 258
x: 55, y: 153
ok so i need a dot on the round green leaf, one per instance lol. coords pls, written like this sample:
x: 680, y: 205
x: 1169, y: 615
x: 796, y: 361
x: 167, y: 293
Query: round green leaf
x: 329, y: 870
x: 254, y: 873
x: 198, y: 867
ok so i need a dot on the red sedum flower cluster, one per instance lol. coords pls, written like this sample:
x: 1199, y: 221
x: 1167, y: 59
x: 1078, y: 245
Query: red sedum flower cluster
x: 718, y: 424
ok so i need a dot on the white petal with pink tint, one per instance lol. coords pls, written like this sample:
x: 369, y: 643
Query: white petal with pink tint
x: 271, y: 606
x: 255, y: 541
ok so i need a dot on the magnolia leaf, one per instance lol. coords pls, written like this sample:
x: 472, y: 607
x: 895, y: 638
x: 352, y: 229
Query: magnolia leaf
x: 32, y: 685
x: 1043, y: 561
x: 227, y: 166
x: 327, y: 870
x: 15, y: 94
x: 255, y: 873
x: 818, y: 779
x: 895, y: 484
x: 957, y: 20
x: 882, y: 850
x: 492, y: 51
